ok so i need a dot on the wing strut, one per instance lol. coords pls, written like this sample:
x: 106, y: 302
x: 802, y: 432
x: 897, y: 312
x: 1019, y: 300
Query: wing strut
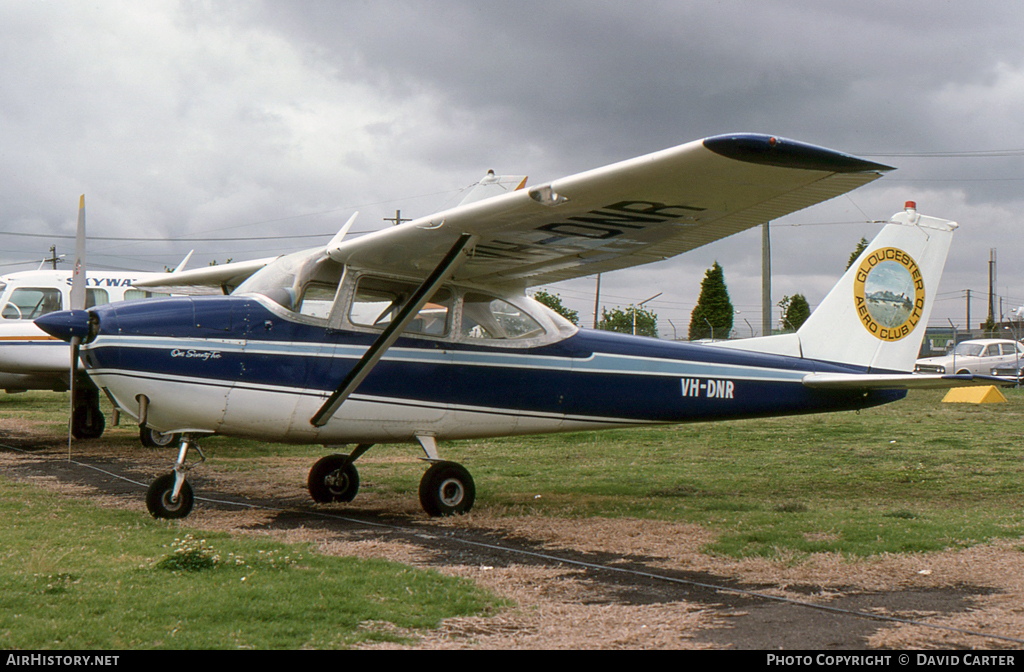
x: 391, y: 333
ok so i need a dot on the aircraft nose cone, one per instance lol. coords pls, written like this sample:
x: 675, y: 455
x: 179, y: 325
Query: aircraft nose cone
x: 65, y: 324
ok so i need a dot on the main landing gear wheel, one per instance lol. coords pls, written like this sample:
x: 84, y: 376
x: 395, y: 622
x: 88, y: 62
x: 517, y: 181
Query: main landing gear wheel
x: 447, y: 489
x: 333, y: 479
x: 153, y: 439
x: 161, y: 502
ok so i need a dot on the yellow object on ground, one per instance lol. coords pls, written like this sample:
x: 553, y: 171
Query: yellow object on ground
x: 988, y: 394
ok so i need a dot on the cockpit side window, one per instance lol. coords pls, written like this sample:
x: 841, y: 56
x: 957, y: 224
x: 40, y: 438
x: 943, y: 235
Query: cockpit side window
x: 377, y: 301
x: 28, y: 303
x: 316, y: 300
x: 488, y: 318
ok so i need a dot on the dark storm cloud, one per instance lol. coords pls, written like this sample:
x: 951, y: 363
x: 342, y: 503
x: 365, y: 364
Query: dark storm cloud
x: 198, y: 118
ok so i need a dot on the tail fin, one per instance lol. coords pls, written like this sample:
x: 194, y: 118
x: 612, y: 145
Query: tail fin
x: 875, y: 317
x: 877, y: 314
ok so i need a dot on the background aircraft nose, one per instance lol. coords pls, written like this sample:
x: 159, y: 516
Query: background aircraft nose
x: 65, y: 324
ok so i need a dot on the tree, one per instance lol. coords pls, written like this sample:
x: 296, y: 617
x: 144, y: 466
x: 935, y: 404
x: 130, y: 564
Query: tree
x: 622, y: 321
x: 554, y: 302
x: 712, y: 317
x: 861, y: 246
x: 795, y: 311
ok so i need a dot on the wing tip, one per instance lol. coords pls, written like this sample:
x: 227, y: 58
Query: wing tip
x: 784, y: 153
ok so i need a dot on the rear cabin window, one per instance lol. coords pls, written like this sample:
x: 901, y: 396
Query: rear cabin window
x: 377, y: 301
x: 96, y: 297
x: 487, y: 318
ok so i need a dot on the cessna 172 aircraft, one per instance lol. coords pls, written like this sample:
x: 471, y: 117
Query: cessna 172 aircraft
x: 31, y: 359
x: 423, y: 332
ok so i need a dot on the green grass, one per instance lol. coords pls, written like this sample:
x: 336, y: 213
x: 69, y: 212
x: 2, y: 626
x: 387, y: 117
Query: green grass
x: 915, y: 476
x: 79, y: 577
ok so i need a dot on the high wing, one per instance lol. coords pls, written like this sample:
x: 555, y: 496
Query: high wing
x: 209, y: 280
x: 634, y: 212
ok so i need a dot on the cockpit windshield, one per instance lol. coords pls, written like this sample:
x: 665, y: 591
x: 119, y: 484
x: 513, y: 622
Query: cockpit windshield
x: 285, y: 280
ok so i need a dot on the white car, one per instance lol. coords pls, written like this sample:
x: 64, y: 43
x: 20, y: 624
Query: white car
x: 978, y: 356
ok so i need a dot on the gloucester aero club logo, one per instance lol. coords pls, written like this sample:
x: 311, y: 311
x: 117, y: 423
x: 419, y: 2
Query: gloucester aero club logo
x: 888, y: 291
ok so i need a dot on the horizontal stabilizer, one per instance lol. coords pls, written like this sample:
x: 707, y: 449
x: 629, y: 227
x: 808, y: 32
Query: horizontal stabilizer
x: 897, y: 381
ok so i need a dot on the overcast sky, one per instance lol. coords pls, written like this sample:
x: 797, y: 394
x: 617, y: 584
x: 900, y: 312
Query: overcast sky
x: 263, y: 122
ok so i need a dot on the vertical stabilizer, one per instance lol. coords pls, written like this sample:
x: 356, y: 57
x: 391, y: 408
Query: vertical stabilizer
x: 876, y: 315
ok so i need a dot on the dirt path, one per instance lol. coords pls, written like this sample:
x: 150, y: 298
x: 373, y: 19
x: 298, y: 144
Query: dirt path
x: 588, y: 583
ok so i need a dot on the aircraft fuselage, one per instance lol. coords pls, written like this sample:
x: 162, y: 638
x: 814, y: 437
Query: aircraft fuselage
x: 231, y: 365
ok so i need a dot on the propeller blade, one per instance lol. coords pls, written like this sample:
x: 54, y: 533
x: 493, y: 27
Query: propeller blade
x: 76, y: 342
x: 78, y: 274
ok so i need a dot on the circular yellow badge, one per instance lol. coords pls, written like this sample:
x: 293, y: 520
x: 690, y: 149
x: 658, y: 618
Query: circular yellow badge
x: 888, y: 291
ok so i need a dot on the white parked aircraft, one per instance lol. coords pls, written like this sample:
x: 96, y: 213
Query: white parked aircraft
x: 31, y: 359
x: 424, y: 332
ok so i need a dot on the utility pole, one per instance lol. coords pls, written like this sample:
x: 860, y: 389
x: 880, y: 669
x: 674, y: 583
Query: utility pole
x: 397, y: 219
x: 597, y: 299
x: 53, y: 257
x: 991, y: 284
x: 766, y: 282
x: 968, y: 311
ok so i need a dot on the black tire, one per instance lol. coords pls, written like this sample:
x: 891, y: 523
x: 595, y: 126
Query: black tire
x: 327, y: 486
x: 447, y: 489
x: 159, y: 502
x: 87, y: 422
x: 153, y: 439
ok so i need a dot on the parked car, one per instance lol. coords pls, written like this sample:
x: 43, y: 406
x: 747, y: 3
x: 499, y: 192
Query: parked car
x: 979, y: 356
x: 1011, y: 371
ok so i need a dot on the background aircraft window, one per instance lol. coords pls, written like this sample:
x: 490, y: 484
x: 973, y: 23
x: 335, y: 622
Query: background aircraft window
x: 28, y: 303
x: 96, y: 297
x: 486, y: 317
x: 136, y: 294
x: 317, y: 299
x: 377, y: 302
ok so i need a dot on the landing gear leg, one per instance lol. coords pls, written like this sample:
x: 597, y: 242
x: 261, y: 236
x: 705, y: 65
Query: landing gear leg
x: 170, y: 496
x: 446, y: 488
x: 87, y: 420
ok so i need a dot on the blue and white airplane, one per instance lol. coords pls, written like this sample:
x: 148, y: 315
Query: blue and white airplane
x: 423, y: 332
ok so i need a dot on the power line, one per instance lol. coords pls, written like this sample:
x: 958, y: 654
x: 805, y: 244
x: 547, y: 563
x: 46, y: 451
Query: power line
x: 972, y: 154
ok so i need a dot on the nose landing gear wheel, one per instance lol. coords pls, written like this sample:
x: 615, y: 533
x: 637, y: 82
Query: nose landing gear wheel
x: 447, y: 489
x: 160, y: 500
x: 329, y: 482
x: 151, y: 438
